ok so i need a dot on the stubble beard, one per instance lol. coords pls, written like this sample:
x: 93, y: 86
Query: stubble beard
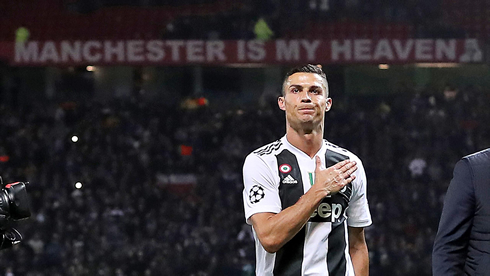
x: 305, y: 126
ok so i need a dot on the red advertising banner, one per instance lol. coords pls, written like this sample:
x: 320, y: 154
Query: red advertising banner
x: 218, y: 52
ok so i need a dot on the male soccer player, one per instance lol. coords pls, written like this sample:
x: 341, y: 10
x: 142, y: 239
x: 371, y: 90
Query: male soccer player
x: 305, y: 197
x: 462, y: 243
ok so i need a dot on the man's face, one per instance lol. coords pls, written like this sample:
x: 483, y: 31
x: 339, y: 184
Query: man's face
x: 305, y: 99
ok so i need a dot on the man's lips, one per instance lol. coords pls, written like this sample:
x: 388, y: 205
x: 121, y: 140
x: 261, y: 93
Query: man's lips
x: 307, y: 110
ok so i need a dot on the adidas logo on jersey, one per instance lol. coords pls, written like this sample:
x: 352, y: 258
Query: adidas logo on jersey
x: 289, y: 180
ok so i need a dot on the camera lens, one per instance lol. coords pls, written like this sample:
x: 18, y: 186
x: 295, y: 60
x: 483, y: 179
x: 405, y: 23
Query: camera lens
x: 14, y: 201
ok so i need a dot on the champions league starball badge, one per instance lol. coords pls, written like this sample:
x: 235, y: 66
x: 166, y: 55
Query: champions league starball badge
x: 256, y: 194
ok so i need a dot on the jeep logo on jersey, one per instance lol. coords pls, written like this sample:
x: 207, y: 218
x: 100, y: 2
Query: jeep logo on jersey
x: 332, y: 209
x: 285, y: 168
x: 327, y: 212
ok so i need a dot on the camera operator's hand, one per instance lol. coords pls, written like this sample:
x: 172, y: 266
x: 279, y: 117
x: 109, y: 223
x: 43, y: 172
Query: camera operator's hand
x: 334, y: 178
x: 9, y: 237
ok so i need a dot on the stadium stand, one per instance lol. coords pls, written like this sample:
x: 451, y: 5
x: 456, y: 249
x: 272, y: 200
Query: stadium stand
x: 127, y: 220
x: 159, y: 198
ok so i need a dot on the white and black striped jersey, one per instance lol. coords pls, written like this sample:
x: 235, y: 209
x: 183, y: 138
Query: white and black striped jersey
x: 275, y: 177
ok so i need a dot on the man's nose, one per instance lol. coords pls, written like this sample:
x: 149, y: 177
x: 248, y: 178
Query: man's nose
x: 305, y: 97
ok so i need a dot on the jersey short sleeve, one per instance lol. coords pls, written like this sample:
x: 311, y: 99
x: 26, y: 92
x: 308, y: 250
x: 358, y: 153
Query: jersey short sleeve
x: 358, y: 211
x: 261, y: 190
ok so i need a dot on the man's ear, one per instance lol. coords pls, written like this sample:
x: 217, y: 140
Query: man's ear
x: 328, y: 104
x: 281, y: 102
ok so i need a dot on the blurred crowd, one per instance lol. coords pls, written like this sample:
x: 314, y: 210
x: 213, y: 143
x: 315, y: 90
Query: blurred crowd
x: 231, y: 20
x: 293, y: 19
x: 125, y: 221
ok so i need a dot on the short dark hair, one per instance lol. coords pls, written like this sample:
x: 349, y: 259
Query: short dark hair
x: 309, y: 68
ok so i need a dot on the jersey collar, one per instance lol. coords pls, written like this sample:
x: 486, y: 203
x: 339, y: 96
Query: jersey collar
x: 299, y: 152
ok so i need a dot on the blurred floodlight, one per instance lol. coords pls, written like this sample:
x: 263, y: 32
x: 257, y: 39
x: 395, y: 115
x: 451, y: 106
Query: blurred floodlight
x: 437, y: 65
x: 383, y: 66
x: 90, y: 68
x: 78, y: 185
x: 74, y: 138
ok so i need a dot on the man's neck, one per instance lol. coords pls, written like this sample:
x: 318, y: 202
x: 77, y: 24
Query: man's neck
x: 308, y: 143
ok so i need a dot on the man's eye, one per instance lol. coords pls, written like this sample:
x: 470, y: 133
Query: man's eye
x: 295, y: 90
x: 316, y: 92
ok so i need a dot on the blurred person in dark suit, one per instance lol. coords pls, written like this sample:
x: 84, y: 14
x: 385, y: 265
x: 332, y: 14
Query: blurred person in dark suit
x: 462, y: 243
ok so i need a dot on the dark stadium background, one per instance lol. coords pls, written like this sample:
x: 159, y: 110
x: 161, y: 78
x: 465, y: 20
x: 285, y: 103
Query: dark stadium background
x: 153, y: 184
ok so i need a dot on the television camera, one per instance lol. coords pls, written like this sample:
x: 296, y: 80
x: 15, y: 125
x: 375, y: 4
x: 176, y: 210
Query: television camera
x: 14, y: 206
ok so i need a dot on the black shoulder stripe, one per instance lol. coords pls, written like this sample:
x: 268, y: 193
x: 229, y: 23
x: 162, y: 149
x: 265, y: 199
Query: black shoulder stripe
x: 334, y: 146
x: 269, y: 149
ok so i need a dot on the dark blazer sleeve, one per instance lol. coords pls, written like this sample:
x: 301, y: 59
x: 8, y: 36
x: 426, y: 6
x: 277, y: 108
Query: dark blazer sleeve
x: 451, y: 242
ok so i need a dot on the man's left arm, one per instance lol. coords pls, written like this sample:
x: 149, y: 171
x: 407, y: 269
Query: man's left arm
x: 358, y: 217
x: 358, y: 251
